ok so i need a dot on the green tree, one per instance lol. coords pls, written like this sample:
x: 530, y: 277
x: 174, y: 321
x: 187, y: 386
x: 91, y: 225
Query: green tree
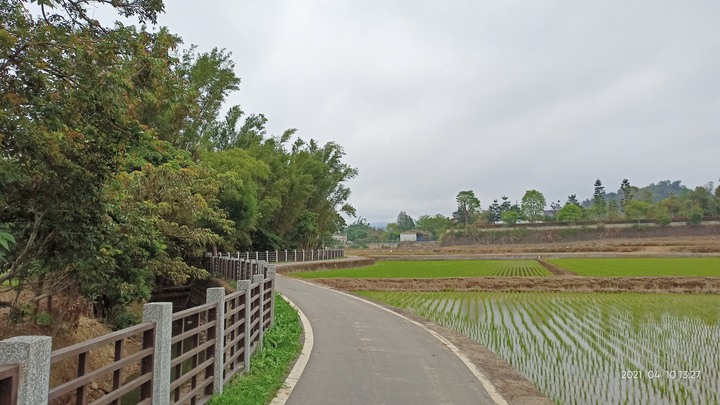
x: 468, y: 206
x: 555, y: 206
x: 673, y: 205
x: 435, y: 224
x: 703, y: 198
x: 627, y: 193
x: 510, y: 217
x: 116, y: 173
x: 6, y: 240
x: 506, y: 205
x: 637, y: 210
x: 358, y: 231
x: 241, y: 176
x: 493, y: 212
x: 613, y: 210
x: 405, y: 222
x: 572, y: 199
x: 210, y: 78
x: 533, y: 205
x: 70, y: 114
x: 599, y: 204
x: 693, y: 214
x: 570, y: 213
x: 392, y: 233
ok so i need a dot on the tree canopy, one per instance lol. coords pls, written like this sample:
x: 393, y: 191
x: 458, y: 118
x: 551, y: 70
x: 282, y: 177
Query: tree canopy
x: 468, y: 206
x: 533, y: 205
x: 117, y: 172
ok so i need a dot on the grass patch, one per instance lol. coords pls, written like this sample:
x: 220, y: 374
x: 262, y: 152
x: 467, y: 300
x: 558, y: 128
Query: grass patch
x: 270, y: 366
x: 435, y: 269
x: 639, y: 267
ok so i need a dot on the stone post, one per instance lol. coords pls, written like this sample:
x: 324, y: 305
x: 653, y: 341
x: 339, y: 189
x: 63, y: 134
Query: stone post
x: 271, y: 275
x: 217, y: 296
x: 260, y: 278
x: 161, y: 314
x: 32, y: 353
x: 245, y: 285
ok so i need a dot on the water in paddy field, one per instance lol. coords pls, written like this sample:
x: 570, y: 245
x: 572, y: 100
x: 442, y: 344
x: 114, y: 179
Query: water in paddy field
x: 592, y: 348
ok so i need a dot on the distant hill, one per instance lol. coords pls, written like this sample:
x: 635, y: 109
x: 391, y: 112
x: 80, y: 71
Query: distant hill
x: 660, y: 191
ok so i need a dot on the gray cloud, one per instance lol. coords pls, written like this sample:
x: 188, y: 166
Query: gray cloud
x: 430, y: 98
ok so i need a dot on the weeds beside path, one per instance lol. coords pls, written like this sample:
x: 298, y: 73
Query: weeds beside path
x: 269, y: 366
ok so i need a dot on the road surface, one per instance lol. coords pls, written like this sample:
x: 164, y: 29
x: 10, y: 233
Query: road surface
x: 365, y: 355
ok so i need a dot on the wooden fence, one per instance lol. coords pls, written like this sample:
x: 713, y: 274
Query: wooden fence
x: 180, y: 358
x: 9, y: 384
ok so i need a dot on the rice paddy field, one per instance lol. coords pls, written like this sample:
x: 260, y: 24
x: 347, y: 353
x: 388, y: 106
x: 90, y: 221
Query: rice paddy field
x: 436, y: 269
x: 639, y: 267
x: 590, y: 348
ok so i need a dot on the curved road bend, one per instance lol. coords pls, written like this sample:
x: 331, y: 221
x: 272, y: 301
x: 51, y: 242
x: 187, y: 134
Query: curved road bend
x: 364, y: 355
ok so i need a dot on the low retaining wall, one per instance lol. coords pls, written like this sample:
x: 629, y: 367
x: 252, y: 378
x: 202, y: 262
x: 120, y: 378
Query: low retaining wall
x: 522, y: 235
x: 346, y: 263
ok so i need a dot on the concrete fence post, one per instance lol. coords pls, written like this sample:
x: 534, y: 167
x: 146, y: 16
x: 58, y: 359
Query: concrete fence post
x: 32, y: 353
x: 217, y: 296
x: 276, y: 256
x: 245, y: 285
x: 260, y: 278
x: 303, y: 255
x: 271, y: 275
x: 161, y: 314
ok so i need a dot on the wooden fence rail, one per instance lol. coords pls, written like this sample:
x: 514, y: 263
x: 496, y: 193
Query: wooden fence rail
x: 205, y: 346
x: 79, y: 355
x: 278, y: 256
x: 9, y: 384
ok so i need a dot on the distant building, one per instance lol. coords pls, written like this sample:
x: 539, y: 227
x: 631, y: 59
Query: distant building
x: 414, y: 235
x: 342, y: 238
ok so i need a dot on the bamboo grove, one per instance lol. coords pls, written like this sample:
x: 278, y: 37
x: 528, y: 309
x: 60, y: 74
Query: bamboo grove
x: 118, y: 169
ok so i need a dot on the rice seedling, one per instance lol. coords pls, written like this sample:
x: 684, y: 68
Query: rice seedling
x: 436, y: 269
x: 642, y: 266
x: 590, y: 348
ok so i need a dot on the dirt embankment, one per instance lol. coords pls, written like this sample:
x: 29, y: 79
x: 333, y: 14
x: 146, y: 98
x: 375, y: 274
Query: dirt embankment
x: 556, y: 270
x: 696, y: 245
x: 570, y: 234
x: 707, y: 285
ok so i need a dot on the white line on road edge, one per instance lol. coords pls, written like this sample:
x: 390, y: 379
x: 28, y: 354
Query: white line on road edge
x: 297, y: 370
x: 489, y: 387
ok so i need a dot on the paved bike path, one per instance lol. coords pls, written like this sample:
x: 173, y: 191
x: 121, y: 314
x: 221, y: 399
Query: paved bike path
x: 366, y: 355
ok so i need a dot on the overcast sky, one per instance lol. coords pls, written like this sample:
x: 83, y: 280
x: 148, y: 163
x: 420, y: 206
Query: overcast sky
x: 429, y: 98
